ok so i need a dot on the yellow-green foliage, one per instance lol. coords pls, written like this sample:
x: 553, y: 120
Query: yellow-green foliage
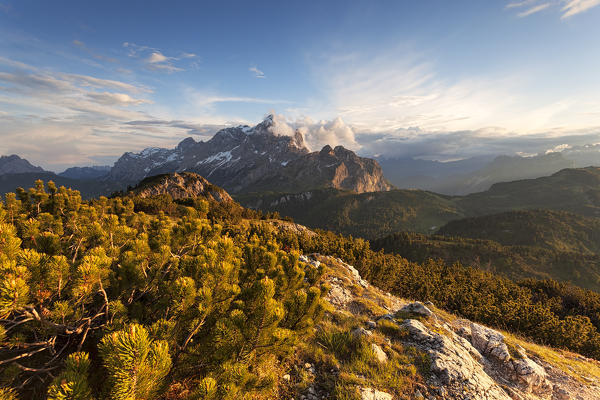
x: 72, y: 383
x: 135, y: 364
x: 8, y: 394
x: 123, y: 304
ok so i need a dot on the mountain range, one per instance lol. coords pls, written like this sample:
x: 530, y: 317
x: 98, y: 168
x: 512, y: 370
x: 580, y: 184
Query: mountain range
x: 251, y: 159
x: 478, y: 174
x: 373, y: 215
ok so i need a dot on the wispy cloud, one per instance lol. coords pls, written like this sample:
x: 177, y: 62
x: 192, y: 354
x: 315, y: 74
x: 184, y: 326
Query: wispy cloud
x: 155, y: 60
x: 517, y: 4
x: 81, y: 45
x: 257, y: 72
x: 567, y: 8
x: 574, y: 7
x: 533, y: 10
x: 396, y: 90
x: 202, y: 99
x: 58, y: 119
x: 444, y: 146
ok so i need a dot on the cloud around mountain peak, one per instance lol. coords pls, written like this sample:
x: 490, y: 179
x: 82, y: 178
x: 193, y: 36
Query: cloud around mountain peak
x: 316, y: 134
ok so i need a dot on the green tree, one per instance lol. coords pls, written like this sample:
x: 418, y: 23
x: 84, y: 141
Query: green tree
x: 136, y: 364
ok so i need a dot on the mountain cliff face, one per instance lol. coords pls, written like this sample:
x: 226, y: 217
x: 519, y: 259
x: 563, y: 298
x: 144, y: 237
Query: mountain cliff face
x: 16, y: 165
x: 246, y: 159
x: 337, y: 168
x: 180, y: 186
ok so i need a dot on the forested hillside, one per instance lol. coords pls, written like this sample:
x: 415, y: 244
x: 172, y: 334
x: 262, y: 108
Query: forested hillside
x: 374, y: 215
x: 368, y: 215
x: 515, y: 262
x: 139, y: 298
x: 554, y: 230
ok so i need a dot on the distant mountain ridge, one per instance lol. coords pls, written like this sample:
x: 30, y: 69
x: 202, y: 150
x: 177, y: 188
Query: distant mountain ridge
x: 477, y: 174
x: 248, y: 159
x: 87, y: 188
x: 14, y: 164
x: 93, y: 172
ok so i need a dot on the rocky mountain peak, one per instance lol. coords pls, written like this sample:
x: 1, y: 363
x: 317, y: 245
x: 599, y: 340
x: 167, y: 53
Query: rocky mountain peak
x: 299, y: 140
x: 266, y: 125
x: 326, y: 150
x: 186, y: 143
x: 244, y: 158
x: 180, y: 186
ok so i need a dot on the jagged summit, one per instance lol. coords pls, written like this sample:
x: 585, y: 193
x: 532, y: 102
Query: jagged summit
x: 247, y: 159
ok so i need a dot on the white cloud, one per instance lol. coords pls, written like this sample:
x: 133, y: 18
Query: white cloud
x: 533, y: 10
x: 204, y: 100
x: 257, y: 72
x: 156, y: 57
x: 445, y: 146
x: 574, y: 7
x: 317, y: 133
x: 567, y: 8
x: 108, y: 98
x: 517, y: 4
x: 395, y: 90
x: 559, y: 148
x: 155, y: 60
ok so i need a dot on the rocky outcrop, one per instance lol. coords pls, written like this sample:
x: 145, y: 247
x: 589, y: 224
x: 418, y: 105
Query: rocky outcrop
x: 250, y: 159
x: 466, y: 360
x: 455, y: 363
x: 180, y: 186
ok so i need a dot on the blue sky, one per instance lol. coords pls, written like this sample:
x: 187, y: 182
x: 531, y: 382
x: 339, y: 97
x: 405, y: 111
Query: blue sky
x: 82, y: 82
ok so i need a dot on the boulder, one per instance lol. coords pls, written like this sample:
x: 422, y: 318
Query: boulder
x: 489, y: 342
x: 417, y: 308
x: 361, y: 332
x: 379, y: 353
x: 354, y: 272
x: 374, y: 394
x: 529, y: 372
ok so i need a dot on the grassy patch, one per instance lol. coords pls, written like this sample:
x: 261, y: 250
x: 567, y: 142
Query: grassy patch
x: 570, y: 363
x: 335, y: 348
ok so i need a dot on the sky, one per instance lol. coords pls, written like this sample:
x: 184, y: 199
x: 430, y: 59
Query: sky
x: 83, y: 82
